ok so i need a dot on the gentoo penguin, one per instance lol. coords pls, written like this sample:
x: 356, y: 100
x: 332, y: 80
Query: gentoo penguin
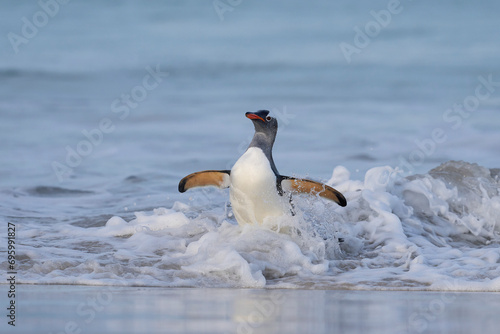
x: 256, y: 188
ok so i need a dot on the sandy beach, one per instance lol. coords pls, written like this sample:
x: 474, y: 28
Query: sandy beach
x: 85, y: 309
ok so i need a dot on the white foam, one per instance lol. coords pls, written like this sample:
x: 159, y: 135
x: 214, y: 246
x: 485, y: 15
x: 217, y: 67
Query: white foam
x: 438, y: 231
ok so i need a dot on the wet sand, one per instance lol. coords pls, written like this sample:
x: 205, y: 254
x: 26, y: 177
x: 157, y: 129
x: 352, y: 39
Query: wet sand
x: 85, y: 309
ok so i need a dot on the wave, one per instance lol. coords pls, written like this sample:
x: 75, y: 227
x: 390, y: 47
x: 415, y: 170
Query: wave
x: 48, y: 191
x: 436, y: 231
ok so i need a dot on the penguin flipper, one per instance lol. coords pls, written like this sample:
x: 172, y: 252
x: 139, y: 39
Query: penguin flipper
x: 216, y: 178
x: 304, y: 186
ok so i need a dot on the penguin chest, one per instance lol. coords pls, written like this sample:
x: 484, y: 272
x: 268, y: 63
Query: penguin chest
x: 253, y: 192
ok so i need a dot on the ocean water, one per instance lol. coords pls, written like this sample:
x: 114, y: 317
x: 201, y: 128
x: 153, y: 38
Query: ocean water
x: 105, y: 106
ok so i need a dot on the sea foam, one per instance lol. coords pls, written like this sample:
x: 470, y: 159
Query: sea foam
x: 436, y: 231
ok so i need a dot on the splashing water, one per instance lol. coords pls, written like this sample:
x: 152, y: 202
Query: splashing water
x: 437, y: 231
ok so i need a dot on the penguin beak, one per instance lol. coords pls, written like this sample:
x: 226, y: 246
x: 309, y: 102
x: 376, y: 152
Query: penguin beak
x: 252, y: 116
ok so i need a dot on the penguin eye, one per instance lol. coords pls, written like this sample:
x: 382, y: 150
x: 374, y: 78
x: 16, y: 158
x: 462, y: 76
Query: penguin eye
x: 268, y: 118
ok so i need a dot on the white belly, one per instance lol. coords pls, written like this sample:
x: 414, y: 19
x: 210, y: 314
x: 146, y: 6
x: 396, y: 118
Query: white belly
x: 253, y: 191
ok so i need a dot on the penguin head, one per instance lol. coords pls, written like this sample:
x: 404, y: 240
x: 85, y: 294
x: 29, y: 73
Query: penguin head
x: 263, y: 122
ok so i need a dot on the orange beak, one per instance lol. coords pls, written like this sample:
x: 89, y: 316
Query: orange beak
x: 253, y: 116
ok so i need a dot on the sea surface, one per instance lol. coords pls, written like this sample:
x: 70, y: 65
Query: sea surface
x: 106, y: 105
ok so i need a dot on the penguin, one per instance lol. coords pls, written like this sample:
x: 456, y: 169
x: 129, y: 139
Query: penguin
x: 256, y: 189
